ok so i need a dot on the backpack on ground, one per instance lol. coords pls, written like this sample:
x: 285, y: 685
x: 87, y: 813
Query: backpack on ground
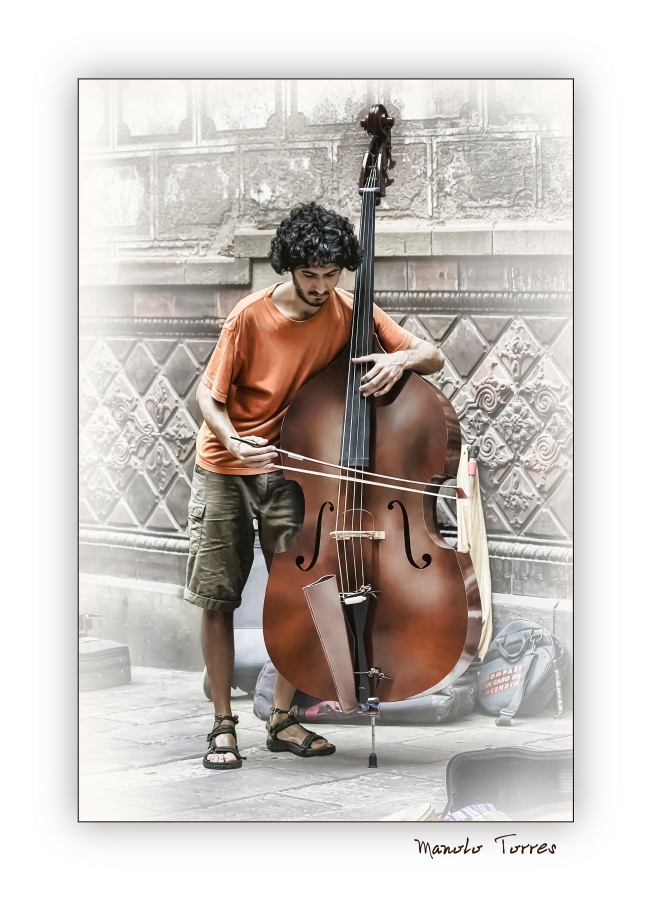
x: 521, y: 673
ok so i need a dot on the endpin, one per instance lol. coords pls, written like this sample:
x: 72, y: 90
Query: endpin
x: 372, y: 708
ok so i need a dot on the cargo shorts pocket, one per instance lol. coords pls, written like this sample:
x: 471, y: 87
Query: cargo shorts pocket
x: 196, y: 513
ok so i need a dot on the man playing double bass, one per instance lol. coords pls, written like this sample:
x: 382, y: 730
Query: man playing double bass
x: 271, y: 344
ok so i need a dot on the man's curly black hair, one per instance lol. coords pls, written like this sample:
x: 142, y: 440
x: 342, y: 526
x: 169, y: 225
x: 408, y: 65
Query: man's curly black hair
x: 313, y: 236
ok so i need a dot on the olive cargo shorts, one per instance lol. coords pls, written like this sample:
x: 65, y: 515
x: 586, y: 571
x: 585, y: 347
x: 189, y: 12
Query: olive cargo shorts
x: 221, y: 530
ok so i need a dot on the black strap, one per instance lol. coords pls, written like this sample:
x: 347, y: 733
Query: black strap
x: 506, y: 714
x: 213, y: 748
x: 309, y: 739
x: 220, y: 718
x: 282, y: 725
x: 221, y: 729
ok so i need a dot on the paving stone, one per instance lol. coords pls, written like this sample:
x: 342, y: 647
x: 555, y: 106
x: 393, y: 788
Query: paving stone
x: 480, y: 738
x: 155, y: 732
x: 375, y: 812
x: 136, y: 756
x: 373, y: 786
x: 148, y: 776
x: 563, y: 742
x: 394, y: 759
x: 97, y: 806
x: 201, y: 791
x: 266, y: 808
x: 100, y: 743
x: 548, y: 725
x: 91, y: 765
x: 160, y: 773
x: 91, y: 725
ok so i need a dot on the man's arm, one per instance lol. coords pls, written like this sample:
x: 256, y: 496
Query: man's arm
x: 421, y: 357
x: 218, y: 421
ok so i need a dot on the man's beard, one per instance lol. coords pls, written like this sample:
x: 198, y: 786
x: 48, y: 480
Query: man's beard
x: 314, y: 301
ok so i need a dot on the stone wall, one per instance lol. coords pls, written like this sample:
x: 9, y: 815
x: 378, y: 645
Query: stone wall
x: 181, y: 186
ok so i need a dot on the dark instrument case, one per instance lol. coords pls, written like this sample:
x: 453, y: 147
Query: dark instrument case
x: 523, y: 783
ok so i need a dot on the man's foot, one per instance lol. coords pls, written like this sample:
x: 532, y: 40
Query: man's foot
x: 220, y: 740
x: 294, y: 737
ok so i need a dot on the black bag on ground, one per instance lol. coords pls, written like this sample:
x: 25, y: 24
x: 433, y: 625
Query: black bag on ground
x: 522, y: 671
x: 444, y: 706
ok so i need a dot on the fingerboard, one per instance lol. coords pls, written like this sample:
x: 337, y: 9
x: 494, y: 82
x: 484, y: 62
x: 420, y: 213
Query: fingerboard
x: 355, y: 433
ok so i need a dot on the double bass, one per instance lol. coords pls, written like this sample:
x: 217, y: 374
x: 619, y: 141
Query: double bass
x: 371, y: 469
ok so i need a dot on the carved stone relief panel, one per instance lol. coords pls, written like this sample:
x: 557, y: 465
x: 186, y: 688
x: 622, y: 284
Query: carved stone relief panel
x: 504, y: 376
x: 138, y: 427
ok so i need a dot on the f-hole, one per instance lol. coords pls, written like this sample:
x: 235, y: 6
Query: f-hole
x: 427, y: 558
x: 301, y: 559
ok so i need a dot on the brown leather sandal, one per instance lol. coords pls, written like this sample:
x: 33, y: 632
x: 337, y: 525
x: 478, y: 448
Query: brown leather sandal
x: 215, y: 748
x: 276, y: 745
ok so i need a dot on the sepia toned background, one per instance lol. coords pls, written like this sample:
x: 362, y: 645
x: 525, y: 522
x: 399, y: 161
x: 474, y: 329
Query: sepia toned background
x: 182, y: 184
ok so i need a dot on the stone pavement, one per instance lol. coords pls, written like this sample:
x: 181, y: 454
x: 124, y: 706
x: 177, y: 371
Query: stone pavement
x: 141, y: 748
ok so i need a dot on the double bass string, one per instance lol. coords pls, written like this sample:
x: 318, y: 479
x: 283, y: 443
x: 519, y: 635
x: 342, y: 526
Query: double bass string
x: 363, y: 348
x: 367, y: 313
x: 355, y: 398
x: 350, y: 389
x: 353, y: 403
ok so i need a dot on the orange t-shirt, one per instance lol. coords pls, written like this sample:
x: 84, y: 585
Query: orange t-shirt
x: 263, y: 358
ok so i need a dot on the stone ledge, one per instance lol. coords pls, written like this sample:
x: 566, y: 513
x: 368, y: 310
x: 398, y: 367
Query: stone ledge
x: 466, y: 238
x: 462, y: 239
x: 535, y: 239
x: 132, y: 584
x: 172, y: 271
x: 554, y: 615
x: 252, y: 243
x: 404, y: 239
x: 393, y: 240
x: 218, y: 270
x: 150, y: 271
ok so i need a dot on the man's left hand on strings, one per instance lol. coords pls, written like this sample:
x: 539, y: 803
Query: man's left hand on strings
x: 421, y: 357
x: 386, y: 371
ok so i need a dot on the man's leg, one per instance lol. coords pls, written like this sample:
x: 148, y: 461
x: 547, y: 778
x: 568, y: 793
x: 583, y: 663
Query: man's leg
x: 218, y: 648
x: 278, y: 529
x: 220, y: 554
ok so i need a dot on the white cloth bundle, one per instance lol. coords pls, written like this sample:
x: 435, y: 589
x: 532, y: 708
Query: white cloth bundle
x: 472, y: 537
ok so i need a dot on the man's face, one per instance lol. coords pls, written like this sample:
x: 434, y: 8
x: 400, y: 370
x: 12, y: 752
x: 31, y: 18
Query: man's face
x: 314, y: 284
